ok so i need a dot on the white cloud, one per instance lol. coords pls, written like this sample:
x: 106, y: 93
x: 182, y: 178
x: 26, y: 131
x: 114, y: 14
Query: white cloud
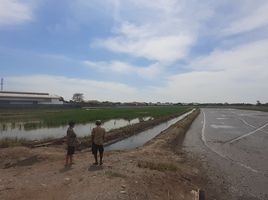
x: 249, y: 56
x: 239, y: 74
x: 162, y: 31
x: 118, y: 67
x: 255, y: 16
x: 14, y: 12
x: 66, y: 87
x: 211, y: 87
x: 236, y: 75
x: 165, y: 49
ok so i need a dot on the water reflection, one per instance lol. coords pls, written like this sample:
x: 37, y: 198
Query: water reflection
x: 35, y: 131
x: 4, y: 127
x: 13, y: 125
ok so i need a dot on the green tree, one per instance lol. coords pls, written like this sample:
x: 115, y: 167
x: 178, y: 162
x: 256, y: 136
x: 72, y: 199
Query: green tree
x: 78, y: 97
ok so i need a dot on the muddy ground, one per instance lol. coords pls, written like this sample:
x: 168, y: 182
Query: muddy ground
x: 158, y: 170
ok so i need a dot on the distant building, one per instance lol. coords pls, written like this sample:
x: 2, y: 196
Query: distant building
x: 28, y: 98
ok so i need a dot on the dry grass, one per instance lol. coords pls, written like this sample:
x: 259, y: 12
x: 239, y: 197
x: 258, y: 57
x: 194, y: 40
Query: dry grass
x: 113, y: 174
x: 157, y: 166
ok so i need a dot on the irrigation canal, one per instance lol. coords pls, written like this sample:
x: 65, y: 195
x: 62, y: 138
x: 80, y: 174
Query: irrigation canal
x: 18, y: 129
x: 144, y: 136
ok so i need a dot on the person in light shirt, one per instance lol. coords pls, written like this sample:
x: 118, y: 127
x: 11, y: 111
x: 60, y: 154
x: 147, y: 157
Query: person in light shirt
x: 97, y: 138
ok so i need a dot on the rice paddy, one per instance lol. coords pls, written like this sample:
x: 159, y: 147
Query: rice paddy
x: 57, y: 117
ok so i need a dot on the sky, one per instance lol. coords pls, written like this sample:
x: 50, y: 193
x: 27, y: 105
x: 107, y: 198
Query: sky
x: 137, y: 50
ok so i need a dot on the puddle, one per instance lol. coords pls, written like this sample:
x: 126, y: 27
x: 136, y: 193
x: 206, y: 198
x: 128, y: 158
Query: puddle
x: 143, y: 137
x: 220, y: 126
x: 21, y: 131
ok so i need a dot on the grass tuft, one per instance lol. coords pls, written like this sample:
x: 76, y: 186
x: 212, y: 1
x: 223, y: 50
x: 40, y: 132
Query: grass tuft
x: 113, y: 174
x: 157, y: 166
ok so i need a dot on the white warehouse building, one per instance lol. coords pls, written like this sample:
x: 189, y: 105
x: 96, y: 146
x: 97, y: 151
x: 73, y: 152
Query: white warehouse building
x: 28, y: 98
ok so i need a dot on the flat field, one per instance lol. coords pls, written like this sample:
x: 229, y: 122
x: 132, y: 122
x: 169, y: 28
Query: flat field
x: 56, y: 117
x: 258, y: 108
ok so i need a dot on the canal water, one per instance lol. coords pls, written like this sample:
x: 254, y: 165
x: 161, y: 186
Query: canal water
x: 143, y: 137
x: 20, y: 131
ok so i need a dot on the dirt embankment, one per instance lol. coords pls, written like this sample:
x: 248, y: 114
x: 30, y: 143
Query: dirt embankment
x: 158, y: 170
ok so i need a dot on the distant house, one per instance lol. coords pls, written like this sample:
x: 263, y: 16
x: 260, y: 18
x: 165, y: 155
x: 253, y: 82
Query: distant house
x: 28, y: 98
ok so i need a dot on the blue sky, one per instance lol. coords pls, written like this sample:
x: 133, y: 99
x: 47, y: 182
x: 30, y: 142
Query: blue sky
x: 137, y: 50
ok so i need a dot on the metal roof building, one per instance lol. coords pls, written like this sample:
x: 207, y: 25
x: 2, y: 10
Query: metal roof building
x: 28, y: 98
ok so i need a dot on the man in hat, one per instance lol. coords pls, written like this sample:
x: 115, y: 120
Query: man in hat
x: 97, y: 138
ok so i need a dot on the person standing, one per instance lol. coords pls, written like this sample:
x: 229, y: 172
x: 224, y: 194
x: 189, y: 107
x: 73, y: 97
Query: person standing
x: 97, y: 138
x: 71, y: 143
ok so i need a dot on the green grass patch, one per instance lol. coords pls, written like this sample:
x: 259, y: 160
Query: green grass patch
x: 58, y: 117
x: 32, y: 125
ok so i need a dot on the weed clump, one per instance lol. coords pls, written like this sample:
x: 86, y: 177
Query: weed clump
x: 157, y: 166
x: 113, y: 174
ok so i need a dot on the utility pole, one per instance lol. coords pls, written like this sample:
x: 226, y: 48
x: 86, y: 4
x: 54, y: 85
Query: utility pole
x: 2, y: 84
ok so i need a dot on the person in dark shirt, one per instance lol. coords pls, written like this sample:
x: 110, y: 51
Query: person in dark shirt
x: 71, y: 141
